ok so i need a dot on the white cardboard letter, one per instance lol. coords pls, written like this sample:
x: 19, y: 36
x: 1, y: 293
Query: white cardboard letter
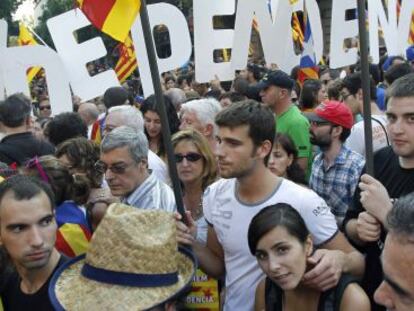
x: 389, y: 27
x: 340, y: 30
x: 18, y: 59
x: 274, y: 36
x: 170, y: 16
x: 3, y: 46
x: 75, y: 56
x: 206, y: 39
x: 407, y: 8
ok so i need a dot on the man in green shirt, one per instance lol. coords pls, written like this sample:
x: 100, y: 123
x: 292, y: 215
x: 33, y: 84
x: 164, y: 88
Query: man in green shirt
x: 276, y: 88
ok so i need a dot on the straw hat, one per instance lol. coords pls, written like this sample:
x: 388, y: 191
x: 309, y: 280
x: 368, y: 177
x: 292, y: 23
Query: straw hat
x: 132, y: 264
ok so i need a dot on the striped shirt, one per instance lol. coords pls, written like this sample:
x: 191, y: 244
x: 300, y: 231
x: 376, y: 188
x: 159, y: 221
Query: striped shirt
x: 336, y: 183
x: 152, y: 194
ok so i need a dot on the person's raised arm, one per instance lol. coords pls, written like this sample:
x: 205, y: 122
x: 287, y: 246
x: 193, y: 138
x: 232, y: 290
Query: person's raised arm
x: 210, y: 257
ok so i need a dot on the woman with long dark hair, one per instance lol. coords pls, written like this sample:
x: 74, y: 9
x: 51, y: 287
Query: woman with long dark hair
x: 152, y: 123
x: 280, y: 241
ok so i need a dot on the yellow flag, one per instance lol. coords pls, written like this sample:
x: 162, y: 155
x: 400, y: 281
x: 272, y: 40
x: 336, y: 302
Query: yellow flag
x: 26, y: 38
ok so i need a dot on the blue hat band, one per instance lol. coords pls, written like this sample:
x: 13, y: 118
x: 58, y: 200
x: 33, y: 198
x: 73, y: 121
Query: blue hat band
x: 128, y: 279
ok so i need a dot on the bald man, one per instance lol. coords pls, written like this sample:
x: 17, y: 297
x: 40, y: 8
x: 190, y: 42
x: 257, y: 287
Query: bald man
x: 89, y: 113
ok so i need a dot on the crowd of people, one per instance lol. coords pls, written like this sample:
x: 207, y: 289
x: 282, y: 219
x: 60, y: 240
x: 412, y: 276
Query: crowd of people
x: 280, y: 213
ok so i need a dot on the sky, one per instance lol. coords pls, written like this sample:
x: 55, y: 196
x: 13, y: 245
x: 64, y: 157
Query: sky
x: 25, y: 10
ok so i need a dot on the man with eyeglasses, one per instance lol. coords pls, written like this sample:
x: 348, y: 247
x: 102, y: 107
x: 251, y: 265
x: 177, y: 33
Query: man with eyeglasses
x: 45, y: 110
x: 132, y: 117
x: 124, y: 161
x: 336, y: 169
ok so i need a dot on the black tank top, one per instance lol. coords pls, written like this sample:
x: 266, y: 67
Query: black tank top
x: 329, y: 300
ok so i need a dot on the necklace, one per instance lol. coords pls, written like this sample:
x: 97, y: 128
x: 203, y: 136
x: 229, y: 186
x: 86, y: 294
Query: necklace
x: 197, y: 212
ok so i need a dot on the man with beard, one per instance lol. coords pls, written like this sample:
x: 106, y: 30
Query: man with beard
x: 28, y: 235
x: 336, y: 169
x: 244, y: 142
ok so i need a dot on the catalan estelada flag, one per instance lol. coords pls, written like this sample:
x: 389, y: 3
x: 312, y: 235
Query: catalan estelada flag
x: 26, y: 38
x: 127, y: 62
x: 308, y: 65
x: 74, y: 232
x: 297, y: 29
x: 113, y: 17
x: 97, y: 130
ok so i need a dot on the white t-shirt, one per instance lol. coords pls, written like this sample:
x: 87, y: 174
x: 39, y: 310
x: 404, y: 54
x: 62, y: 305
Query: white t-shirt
x: 356, y: 141
x: 158, y: 167
x: 231, y: 218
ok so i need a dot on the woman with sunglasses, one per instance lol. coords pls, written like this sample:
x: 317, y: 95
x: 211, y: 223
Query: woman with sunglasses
x: 197, y: 169
x: 152, y: 123
x: 71, y: 193
x: 280, y: 241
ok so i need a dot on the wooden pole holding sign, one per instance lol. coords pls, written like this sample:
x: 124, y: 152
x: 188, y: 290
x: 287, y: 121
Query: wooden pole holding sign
x: 365, y: 76
x: 166, y: 133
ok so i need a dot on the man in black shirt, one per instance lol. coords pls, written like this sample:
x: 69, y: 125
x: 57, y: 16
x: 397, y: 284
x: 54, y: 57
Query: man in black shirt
x: 28, y: 234
x: 365, y: 223
x: 20, y: 144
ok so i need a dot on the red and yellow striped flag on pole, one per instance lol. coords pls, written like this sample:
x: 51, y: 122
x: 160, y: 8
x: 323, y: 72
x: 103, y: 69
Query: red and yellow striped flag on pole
x: 113, y: 17
x: 26, y: 38
x: 127, y: 62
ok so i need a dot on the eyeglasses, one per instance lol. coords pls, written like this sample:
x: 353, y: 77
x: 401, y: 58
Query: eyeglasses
x: 191, y: 157
x: 35, y: 163
x: 44, y: 107
x: 119, y: 169
x: 320, y: 123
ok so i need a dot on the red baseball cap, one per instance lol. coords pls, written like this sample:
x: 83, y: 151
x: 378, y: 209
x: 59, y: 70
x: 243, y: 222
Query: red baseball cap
x: 332, y: 111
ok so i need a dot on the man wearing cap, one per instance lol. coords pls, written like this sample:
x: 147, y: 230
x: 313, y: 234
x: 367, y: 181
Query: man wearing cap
x: 336, y: 169
x: 28, y: 235
x: 276, y: 88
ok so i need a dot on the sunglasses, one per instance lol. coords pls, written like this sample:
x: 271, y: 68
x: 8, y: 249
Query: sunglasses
x: 320, y: 123
x: 117, y: 169
x: 191, y: 157
x: 44, y: 107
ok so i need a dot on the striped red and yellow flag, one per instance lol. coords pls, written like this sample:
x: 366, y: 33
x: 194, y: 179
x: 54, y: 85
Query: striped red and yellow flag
x: 113, y: 17
x: 26, y: 38
x: 297, y: 31
x: 127, y: 62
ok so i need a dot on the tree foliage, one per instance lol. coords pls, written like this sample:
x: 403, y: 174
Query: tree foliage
x: 7, y: 8
x: 51, y: 9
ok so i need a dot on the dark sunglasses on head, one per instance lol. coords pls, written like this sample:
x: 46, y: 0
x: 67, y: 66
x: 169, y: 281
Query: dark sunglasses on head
x: 44, y: 107
x: 191, y: 157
